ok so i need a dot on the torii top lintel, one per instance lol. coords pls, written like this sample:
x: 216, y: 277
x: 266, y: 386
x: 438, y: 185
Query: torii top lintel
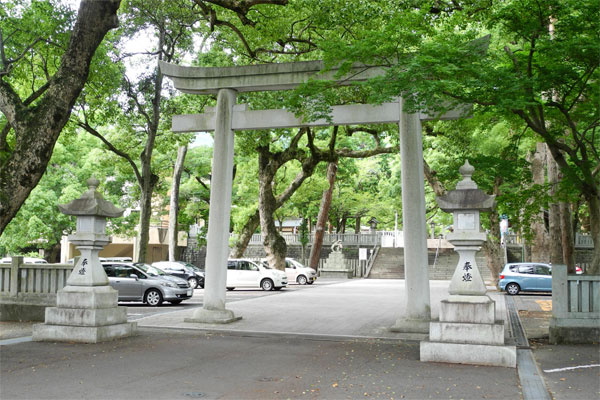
x: 262, y: 77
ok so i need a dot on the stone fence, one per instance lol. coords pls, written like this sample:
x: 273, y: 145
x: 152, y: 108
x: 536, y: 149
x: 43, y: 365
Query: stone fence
x: 575, y: 307
x: 26, y: 289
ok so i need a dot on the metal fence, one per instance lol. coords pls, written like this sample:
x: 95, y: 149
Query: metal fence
x: 367, y: 239
x: 581, y: 240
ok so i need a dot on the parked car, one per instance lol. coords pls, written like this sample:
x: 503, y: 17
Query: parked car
x: 248, y: 274
x: 26, y: 260
x: 296, y: 272
x: 143, y: 282
x: 526, y: 277
x: 197, y: 270
x: 180, y: 270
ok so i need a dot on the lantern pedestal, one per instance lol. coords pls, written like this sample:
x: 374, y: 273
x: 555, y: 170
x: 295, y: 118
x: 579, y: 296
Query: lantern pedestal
x: 467, y: 331
x: 85, y: 315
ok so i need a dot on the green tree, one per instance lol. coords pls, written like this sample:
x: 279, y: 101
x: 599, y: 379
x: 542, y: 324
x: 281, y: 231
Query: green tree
x: 541, y: 67
x: 36, y: 97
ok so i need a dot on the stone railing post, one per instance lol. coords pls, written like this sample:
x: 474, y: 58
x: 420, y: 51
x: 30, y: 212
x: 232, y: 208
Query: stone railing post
x: 559, y: 291
x: 15, y: 277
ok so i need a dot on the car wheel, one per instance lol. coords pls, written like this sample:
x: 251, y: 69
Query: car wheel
x: 512, y: 289
x: 175, y: 302
x: 193, y: 283
x: 301, y: 279
x: 230, y: 288
x: 153, y: 298
x: 266, y: 285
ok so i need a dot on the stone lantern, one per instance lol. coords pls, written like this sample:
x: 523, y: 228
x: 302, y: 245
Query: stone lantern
x: 87, y: 309
x: 467, y: 331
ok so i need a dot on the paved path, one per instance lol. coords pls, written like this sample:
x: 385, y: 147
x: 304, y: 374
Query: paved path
x: 328, y: 341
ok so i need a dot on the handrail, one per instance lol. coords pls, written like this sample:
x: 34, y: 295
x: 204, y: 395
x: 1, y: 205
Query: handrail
x: 371, y: 261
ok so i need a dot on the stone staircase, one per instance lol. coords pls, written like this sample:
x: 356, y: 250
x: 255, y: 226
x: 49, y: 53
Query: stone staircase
x: 389, y: 264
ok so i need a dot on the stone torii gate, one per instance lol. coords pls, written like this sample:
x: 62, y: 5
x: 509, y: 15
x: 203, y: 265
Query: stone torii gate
x: 228, y: 117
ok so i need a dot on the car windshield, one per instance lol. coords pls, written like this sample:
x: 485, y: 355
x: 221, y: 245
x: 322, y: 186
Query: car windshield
x: 150, y: 270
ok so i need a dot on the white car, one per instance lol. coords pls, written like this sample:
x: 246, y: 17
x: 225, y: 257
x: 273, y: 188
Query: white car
x: 242, y: 273
x: 296, y: 272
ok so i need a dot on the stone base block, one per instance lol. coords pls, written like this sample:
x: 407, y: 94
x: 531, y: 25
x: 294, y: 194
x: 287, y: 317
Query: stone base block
x: 205, y: 316
x: 86, y: 316
x: 336, y: 273
x: 87, y: 297
x: 82, y: 334
x: 463, y: 332
x: 411, y: 326
x: 477, y: 354
x: 575, y: 330
x: 472, y: 312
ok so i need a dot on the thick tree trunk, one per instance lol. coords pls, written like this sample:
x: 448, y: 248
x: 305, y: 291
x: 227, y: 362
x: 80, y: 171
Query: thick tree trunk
x: 174, y: 202
x: 357, y: 225
x: 539, y: 249
x: 274, y: 244
x: 315, y: 251
x: 38, y: 127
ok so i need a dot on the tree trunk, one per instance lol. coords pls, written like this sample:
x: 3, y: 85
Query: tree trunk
x: 38, y: 127
x: 245, y: 235
x: 343, y: 223
x: 567, y: 237
x: 308, y: 167
x: 174, y: 203
x: 554, y: 217
x: 315, y: 251
x: 494, y: 254
x: 357, y: 225
x: 539, y: 249
x: 147, y: 188
x: 274, y: 244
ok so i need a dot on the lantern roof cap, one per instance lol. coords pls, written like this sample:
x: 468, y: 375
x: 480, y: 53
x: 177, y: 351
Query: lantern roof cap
x: 466, y: 196
x: 91, y: 203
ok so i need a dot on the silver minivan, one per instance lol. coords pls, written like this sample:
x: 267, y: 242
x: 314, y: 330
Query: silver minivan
x: 143, y: 282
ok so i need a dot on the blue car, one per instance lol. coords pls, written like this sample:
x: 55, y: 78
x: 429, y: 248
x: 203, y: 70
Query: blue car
x: 526, y: 277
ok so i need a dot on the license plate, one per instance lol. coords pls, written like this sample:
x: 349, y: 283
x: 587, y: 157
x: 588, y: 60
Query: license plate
x: 189, y: 292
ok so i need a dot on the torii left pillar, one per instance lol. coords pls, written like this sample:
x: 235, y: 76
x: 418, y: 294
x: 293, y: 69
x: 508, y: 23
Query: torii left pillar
x: 214, y: 310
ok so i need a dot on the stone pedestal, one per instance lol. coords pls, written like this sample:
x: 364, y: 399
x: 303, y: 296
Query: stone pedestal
x: 468, y: 333
x: 85, y: 315
x: 335, y: 265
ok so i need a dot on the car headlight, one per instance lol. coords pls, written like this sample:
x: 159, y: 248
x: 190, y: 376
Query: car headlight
x: 169, y: 284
